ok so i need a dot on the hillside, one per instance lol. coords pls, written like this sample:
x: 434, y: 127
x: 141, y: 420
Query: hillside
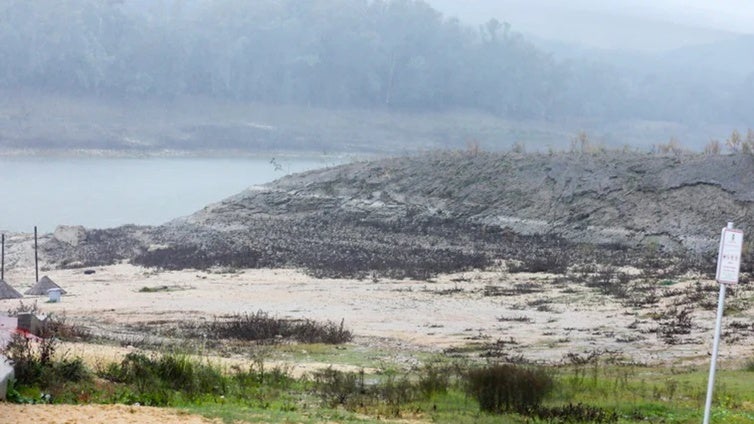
x: 422, y: 215
x: 144, y: 77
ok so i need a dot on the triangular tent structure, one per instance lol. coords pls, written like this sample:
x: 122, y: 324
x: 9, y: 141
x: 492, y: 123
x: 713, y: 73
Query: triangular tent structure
x: 8, y: 292
x: 43, y: 285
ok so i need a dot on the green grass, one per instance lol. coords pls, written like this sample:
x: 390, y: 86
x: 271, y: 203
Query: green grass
x: 346, y: 354
x: 276, y: 413
x: 659, y: 394
x: 637, y: 393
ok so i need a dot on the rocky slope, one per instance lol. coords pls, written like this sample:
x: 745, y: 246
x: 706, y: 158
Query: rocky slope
x: 416, y: 216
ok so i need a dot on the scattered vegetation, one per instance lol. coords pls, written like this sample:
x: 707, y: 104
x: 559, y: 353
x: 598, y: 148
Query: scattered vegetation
x: 38, y: 364
x: 192, y: 256
x: 22, y: 307
x: 172, y: 378
x: 673, y: 146
x: 162, y: 288
x: 713, y: 147
x: 735, y: 144
x: 262, y: 327
x: 592, y: 387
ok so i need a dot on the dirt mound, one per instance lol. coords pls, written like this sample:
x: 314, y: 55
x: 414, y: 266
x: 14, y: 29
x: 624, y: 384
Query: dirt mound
x: 677, y: 201
x: 422, y: 215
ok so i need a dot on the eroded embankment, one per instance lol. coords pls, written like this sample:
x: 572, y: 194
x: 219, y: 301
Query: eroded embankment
x: 443, y: 212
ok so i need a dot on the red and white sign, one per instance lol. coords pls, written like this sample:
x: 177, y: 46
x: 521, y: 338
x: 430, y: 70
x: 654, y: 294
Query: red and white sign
x: 729, y: 258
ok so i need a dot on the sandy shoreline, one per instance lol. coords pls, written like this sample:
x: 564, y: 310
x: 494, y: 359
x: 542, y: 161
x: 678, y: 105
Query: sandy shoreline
x: 450, y: 311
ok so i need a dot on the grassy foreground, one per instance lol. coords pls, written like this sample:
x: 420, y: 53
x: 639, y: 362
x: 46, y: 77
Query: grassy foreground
x: 617, y: 394
x: 599, y: 388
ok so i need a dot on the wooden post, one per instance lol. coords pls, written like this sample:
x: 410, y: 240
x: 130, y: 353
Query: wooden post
x: 36, y: 257
x: 2, y: 262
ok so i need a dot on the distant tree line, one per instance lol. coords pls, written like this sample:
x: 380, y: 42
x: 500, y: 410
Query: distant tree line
x: 396, y: 54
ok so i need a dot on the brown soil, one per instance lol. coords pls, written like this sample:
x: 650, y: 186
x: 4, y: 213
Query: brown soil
x: 111, y: 414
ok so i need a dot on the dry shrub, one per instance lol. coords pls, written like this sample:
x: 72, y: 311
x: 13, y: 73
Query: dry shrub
x: 714, y: 147
x: 261, y: 326
x: 672, y: 146
x: 734, y: 142
x: 509, y: 388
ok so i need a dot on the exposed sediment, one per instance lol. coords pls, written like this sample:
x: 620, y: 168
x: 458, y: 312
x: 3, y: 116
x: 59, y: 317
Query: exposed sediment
x: 440, y: 212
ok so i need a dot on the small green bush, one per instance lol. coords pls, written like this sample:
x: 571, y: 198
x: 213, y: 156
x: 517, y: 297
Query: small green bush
x: 348, y: 389
x: 578, y: 413
x: 749, y: 365
x: 434, y: 379
x: 338, y: 388
x: 156, y: 378
x: 36, y: 366
x: 396, y: 391
x: 508, y: 388
x: 32, y: 360
x: 73, y: 370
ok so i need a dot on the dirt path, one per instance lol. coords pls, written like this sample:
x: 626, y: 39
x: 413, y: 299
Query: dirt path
x: 87, y: 414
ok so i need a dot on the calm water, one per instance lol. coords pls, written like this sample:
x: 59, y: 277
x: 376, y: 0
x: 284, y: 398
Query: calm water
x: 101, y: 193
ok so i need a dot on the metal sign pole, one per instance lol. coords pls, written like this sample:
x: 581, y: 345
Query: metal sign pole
x: 36, y: 257
x: 728, y: 266
x: 715, y: 347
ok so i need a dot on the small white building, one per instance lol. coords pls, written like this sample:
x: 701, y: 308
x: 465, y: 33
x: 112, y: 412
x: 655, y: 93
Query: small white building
x: 54, y: 295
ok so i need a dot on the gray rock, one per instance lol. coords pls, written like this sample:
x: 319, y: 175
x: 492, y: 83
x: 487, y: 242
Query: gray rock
x: 70, y: 234
x: 446, y: 211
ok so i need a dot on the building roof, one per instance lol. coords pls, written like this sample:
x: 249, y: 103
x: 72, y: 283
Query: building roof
x: 8, y: 292
x: 40, y: 289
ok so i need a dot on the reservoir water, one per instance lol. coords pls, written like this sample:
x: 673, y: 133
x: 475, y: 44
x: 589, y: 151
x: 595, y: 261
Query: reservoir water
x: 109, y: 192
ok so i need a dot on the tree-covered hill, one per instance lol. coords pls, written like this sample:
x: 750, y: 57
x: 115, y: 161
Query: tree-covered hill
x: 335, y: 53
x: 393, y: 54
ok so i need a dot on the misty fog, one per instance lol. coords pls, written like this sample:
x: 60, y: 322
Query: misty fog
x: 637, y: 73
x: 645, y: 25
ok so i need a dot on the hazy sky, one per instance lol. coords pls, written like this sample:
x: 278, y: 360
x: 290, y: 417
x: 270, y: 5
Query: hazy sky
x: 635, y: 24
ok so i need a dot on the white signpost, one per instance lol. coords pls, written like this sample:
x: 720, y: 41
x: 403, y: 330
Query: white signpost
x: 728, y: 267
x: 729, y: 257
